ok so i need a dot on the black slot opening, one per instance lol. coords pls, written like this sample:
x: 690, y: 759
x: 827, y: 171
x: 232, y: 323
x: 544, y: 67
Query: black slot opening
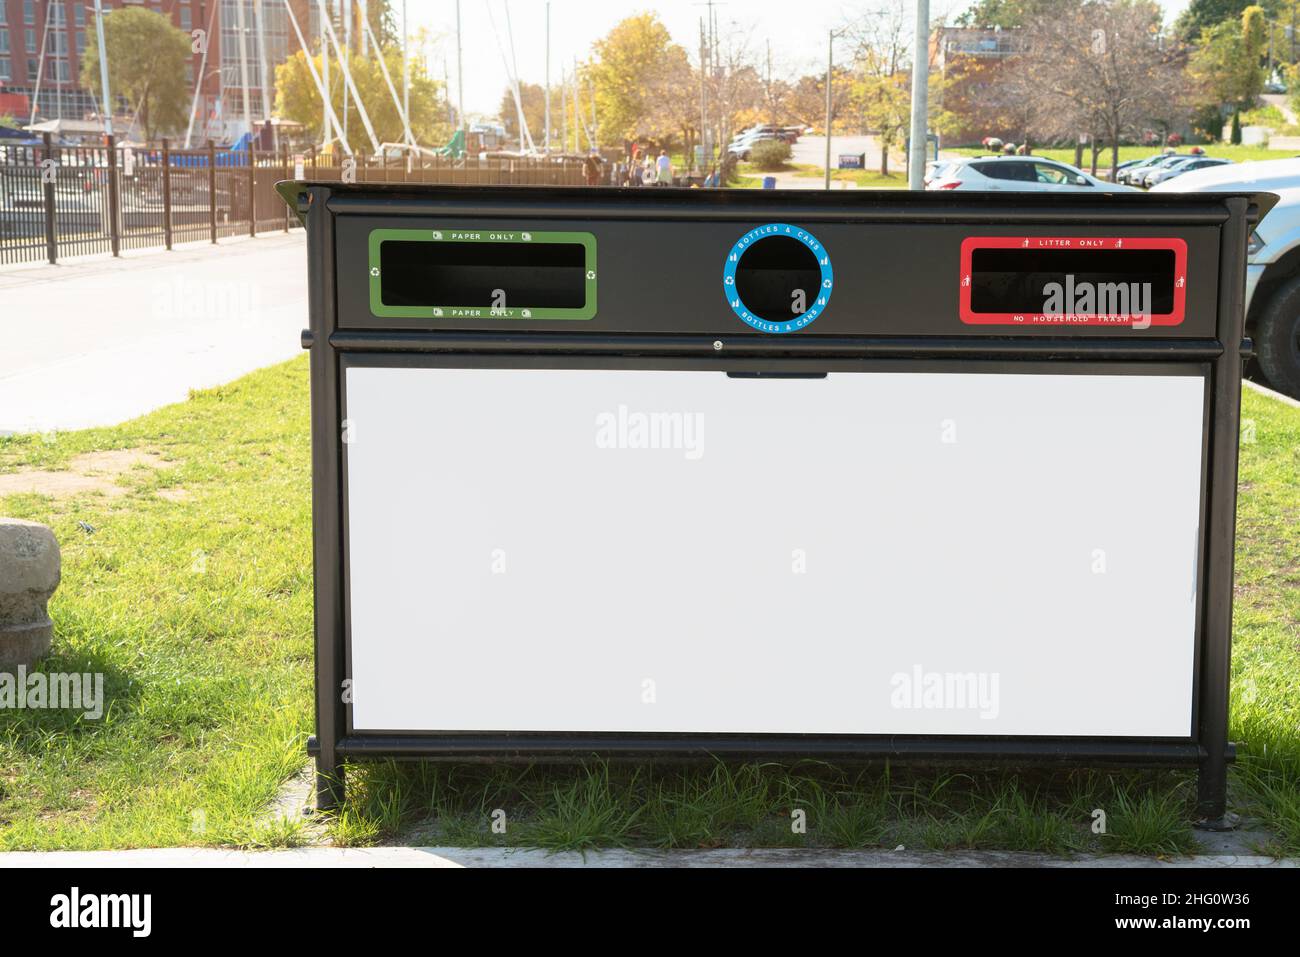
x: 1016, y: 280
x: 531, y: 275
x: 770, y: 274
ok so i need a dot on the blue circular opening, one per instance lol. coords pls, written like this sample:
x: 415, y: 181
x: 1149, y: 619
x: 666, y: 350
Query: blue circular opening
x: 776, y: 271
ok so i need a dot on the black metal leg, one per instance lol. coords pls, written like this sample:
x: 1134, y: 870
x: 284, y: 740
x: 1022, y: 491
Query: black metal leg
x: 330, y: 783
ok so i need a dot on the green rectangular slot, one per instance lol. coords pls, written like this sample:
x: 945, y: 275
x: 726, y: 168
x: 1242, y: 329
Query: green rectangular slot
x: 456, y: 273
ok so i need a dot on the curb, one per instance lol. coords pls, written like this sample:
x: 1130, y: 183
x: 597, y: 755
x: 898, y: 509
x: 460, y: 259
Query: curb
x: 375, y: 857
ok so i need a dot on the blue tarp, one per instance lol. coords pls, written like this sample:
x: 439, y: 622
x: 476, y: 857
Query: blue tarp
x: 235, y: 155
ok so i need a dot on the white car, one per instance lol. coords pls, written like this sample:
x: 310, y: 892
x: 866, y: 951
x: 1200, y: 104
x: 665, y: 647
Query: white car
x: 1272, y: 260
x: 1020, y: 173
x: 1157, y: 176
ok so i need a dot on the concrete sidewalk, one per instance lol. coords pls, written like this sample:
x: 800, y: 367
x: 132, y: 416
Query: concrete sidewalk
x: 370, y: 857
x: 101, y: 340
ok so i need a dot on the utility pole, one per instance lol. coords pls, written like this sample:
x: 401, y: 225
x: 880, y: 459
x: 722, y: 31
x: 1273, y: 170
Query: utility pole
x: 346, y: 56
x: 327, y: 125
x: 406, y: 73
x: 263, y: 74
x: 704, y: 112
x: 548, y: 76
x: 769, y: 77
x: 460, y: 76
x: 830, y: 58
x: 243, y: 63
x: 103, y: 67
x: 920, y: 96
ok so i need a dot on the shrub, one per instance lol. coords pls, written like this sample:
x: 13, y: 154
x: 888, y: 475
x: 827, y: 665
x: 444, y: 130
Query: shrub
x: 770, y: 154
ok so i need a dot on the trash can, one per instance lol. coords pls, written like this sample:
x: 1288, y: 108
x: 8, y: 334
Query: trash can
x: 769, y: 182
x: 877, y: 475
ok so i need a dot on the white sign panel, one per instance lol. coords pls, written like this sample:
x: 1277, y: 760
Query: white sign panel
x: 867, y: 553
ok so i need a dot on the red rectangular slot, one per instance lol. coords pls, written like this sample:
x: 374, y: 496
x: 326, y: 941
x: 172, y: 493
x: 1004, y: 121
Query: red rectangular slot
x: 1072, y: 281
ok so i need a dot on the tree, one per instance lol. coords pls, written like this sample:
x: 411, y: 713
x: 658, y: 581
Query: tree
x: 146, y: 66
x: 1102, y: 69
x: 1006, y: 14
x: 533, y: 98
x: 645, y: 88
x: 1202, y: 15
x: 806, y: 100
x: 1226, y: 64
x: 298, y: 99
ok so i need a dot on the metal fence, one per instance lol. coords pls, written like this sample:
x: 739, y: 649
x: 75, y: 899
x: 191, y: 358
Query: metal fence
x: 60, y: 201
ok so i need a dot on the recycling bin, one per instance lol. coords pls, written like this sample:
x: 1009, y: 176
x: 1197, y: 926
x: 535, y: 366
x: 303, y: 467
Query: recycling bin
x: 852, y: 476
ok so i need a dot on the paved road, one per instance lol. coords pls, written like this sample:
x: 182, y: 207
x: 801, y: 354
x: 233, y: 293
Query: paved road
x: 103, y: 340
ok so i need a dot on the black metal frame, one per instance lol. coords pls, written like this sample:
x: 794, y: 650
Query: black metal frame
x: 1218, y: 359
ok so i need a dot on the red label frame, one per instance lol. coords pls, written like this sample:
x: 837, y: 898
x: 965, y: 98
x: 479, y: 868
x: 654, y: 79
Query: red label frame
x: 971, y: 243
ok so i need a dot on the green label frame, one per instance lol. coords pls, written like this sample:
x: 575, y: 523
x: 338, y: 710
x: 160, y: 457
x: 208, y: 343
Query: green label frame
x: 449, y: 235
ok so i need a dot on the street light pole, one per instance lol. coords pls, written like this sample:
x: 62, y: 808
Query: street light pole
x: 460, y: 75
x: 103, y: 68
x: 830, y: 55
x: 548, y: 76
x: 920, y: 90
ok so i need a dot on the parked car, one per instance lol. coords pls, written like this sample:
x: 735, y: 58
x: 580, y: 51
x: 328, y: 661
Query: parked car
x: 1021, y: 173
x: 1138, y: 174
x: 1272, y: 264
x: 934, y: 170
x: 786, y: 134
x: 1140, y: 167
x: 741, y: 146
x: 1171, y: 170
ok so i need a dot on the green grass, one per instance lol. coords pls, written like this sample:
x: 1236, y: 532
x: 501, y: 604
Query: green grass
x: 864, y: 178
x: 809, y: 804
x: 1239, y: 154
x: 199, y: 614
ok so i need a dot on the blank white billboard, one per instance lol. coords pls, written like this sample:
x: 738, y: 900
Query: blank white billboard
x: 680, y: 551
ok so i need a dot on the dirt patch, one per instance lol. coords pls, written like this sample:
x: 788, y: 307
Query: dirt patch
x: 88, y: 472
x: 174, y: 494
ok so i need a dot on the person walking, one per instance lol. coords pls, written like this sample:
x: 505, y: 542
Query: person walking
x: 664, y: 169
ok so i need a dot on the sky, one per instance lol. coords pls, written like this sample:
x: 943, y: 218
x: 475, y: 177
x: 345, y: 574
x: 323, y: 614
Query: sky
x: 796, y: 30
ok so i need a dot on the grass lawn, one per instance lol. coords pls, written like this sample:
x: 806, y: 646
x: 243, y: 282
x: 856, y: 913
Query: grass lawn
x: 191, y: 592
x: 864, y: 178
x: 1226, y: 150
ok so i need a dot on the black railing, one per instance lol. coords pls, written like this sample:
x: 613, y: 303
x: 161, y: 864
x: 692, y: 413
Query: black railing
x: 61, y: 201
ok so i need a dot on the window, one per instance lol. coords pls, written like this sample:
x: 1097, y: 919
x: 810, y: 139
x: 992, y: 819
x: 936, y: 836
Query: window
x: 3, y: 15
x: 4, y: 41
x: 1053, y: 175
x: 1016, y: 172
x: 55, y: 14
x: 5, y: 72
x: 33, y: 67
x: 79, y: 15
x: 186, y: 22
x: 29, y: 11
x: 29, y: 39
x: 81, y: 43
